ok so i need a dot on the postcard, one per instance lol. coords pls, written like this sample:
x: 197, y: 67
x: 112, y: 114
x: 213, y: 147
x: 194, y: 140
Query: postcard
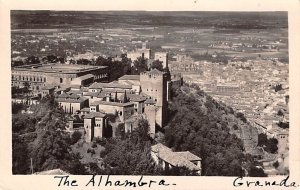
x: 150, y: 95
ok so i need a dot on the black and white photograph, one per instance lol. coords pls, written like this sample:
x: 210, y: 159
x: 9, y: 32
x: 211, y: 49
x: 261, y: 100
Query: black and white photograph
x: 149, y: 93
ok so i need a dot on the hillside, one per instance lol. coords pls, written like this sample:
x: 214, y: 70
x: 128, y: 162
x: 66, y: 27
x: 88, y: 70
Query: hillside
x: 213, y: 131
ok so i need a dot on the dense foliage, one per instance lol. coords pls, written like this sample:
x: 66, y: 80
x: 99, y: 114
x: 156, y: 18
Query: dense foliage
x: 157, y: 65
x: 130, y: 155
x: 40, y: 137
x: 200, y: 128
x: 269, y: 145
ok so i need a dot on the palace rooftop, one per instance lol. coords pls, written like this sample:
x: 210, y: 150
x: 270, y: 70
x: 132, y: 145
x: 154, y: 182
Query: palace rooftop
x: 58, y: 68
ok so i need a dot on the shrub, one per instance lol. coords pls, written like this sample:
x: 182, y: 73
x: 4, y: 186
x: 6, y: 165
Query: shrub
x: 94, y: 145
x: 276, y: 164
x: 235, y: 127
x: 76, y: 136
x: 103, y: 153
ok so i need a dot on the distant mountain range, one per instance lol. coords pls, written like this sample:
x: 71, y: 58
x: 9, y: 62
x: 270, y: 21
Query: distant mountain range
x: 65, y: 19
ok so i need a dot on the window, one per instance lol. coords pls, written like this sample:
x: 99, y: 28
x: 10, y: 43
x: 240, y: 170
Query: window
x: 61, y: 80
x: 120, y: 113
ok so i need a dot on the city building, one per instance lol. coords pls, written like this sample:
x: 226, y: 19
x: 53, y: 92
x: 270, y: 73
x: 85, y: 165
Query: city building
x: 95, y: 124
x: 183, y: 64
x: 39, y: 75
x: 143, y: 52
x: 136, y: 96
x: 163, y: 57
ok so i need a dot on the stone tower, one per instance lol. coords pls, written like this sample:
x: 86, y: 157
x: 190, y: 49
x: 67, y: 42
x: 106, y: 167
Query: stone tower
x: 154, y: 85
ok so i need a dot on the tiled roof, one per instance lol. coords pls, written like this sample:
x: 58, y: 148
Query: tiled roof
x: 85, y: 109
x: 74, y: 96
x: 172, y: 158
x: 150, y: 101
x: 77, y: 86
x: 134, y: 118
x: 85, y: 89
x: 95, y: 103
x: 113, y: 90
x: 70, y: 100
x: 94, y: 94
x: 52, y: 172
x: 115, y: 103
x: 137, y: 98
x: 63, y: 95
x: 117, y: 85
x: 86, y: 76
x: 134, y: 97
x: 188, y: 155
x: 155, y: 72
x: 102, y: 94
x: 96, y: 85
x: 94, y: 114
x: 74, y: 92
x: 130, y: 77
x: 48, y: 87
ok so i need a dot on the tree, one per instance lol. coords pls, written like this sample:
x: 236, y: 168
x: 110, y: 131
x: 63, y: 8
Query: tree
x: 120, y: 131
x: 140, y: 133
x: 269, y: 145
x: 241, y: 116
x: 139, y: 66
x: 17, y: 107
x: 83, y: 62
x: 256, y: 171
x: 178, y: 171
x: 76, y: 136
x: 262, y: 140
x: 43, y: 140
x: 277, y: 87
x: 116, y: 69
x: 130, y: 156
x: 26, y: 87
x: 32, y: 60
x: 283, y: 125
x: 272, y: 145
x: 205, y: 133
x: 20, y: 160
x: 276, y: 164
x: 280, y: 113
x: 50, y: 59
x: 157, y: 65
